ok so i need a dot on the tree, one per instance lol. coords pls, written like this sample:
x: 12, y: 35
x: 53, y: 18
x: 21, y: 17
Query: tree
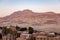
x: 0, y: 27
x: 0, y: 36
x: 23, y: 29
x: 17, y: 28
x: 9, y: 30
x: 30, y: 30
x: 4, y: 30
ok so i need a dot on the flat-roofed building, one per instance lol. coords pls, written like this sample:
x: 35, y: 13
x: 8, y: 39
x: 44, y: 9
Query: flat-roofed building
x: 4, y: 38
x: 34, y: 35
x: 51, y: 34
x: 56, y: 38
x: 41, y: 38
x: 22, y: 37
x: 43, y: 33
x: 50, y: 38
x: 27, y: 36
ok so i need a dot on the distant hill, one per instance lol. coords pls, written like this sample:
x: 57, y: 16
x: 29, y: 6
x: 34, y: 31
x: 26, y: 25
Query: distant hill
x: 46, y: 21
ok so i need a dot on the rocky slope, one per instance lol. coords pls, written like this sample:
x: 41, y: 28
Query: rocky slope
x: 47, y: 21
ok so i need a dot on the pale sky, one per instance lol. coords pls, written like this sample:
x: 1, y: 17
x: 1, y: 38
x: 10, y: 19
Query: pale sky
x: 9, y: 6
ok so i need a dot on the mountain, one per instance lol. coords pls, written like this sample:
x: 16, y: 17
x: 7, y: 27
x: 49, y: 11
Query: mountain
x: 45, y: 21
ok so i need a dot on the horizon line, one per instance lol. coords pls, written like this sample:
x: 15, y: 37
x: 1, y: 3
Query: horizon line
x: 31, y: 11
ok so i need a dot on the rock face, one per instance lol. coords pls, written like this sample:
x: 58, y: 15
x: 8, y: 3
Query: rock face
x: 48, y: 21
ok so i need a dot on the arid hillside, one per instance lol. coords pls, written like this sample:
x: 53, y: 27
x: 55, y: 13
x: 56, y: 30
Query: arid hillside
x: 45, y: 21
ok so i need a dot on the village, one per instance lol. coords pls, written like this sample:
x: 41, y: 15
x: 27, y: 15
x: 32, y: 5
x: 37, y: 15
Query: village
x: 17, y: 33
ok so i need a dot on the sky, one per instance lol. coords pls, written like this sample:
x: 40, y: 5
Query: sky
x: 7, y: 7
